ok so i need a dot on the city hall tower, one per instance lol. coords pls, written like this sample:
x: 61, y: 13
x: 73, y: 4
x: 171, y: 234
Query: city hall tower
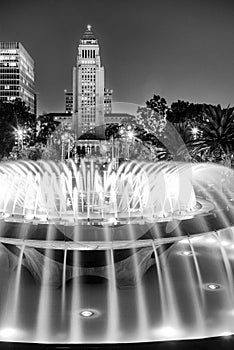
x: 88, y: 88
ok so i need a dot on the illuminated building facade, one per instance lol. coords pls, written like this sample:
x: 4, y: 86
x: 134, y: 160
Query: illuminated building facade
x: 68, y: 101
x: 17, y: 74
x: 88, y: 87
x: 108, y: 101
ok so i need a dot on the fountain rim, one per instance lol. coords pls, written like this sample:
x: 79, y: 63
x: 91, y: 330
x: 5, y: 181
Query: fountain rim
x: 203, y: 207
x: 203, y: 338
x: 98, y: 245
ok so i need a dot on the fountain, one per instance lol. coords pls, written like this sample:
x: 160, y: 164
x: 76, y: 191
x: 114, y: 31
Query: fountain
x: 94, y: 255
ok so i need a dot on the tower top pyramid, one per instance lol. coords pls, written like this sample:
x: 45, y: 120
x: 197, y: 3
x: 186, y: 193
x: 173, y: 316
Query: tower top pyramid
x: 88, y: 34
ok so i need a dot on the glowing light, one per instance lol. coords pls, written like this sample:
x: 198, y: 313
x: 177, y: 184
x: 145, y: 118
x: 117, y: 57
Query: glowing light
x: 20, y: 133
x: 184, y: 241
x: 130, y: 134
x: 8, y: 333
x: 195, y: 239
x: 43, y: 218
x: 225, y: 243
x: 168, y: 332
x: 29, y: 216
x: 89, y: 27
x: 211, y: 240
x: 232, y: 312
x: 112, y: 221
x: 226, y: 334
x: 187, y: 253
x: 195, y: 130
x: 213, y: 286
x: 87, y: 313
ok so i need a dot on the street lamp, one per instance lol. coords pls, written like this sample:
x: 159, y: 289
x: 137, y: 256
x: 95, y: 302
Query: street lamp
x: 68, y: 139
x: 20, y: 138
x: 63, y: 140
x: 128, y: 135
x: 195, y: 132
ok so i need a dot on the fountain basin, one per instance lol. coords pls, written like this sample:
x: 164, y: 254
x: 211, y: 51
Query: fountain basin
x: 141, y: 254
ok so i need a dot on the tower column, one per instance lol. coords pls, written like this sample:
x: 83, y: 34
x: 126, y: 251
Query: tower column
x: 88, y: 88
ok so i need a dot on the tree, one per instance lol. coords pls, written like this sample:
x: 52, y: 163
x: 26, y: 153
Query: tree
x: 177, y: 139
x: 112, y: 130
x: 158, y: 104
x: 167, y: 140
x: 59, y: 144
x: 146, y: 128
x: 152, y: 118
x: 217, y: 135
x: 184, y: 112
x: 47, y: 125
x: 15, y: 121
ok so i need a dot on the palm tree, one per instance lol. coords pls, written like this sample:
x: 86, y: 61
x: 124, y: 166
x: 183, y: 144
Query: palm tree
x: 175, y: 141
x: 216, y: 140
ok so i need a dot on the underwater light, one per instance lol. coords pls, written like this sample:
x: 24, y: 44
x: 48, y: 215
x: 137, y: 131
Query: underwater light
x: 213, y: 286
x: 43, y: 217
x: 86, y: 313
x: 187, y: 253
x: 184, y: 241
x: 211, y: 240
x: 168, y: 332
x: 198, y: 238
x: 8, y: 333
x: 225, y: 243
x: 29, y: 216
x: 112, y: 221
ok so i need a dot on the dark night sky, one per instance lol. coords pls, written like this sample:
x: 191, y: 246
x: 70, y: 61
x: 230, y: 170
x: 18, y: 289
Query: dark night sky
x: 180, y: 49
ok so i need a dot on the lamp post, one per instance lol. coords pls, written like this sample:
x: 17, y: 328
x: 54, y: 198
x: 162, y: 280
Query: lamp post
x: 63, y: 139
x: 20, y: 138
x: 128, y: 135
x: 67, y: 143
x: 195, y: 132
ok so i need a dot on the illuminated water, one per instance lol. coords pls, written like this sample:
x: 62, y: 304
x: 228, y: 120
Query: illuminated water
x: 96, y: 255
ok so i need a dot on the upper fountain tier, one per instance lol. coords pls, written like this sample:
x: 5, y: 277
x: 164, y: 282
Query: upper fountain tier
x: 57, y: 191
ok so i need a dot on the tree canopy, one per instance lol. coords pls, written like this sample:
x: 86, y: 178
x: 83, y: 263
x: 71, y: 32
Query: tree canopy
x: 46, y: 126
x: 15, y: 118
x: 216, y: 134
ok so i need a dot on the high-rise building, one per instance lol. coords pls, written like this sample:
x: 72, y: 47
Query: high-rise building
x: 68, y: 101
x: 88, y: 87
x: 17, y: 74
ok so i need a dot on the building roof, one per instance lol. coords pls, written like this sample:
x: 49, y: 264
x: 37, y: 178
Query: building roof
x: 119, y: 115
x: 90, y: 136
x: 57, y: 114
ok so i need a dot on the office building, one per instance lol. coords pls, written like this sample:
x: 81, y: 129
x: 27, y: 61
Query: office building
x: 88, y: 87
x: 17, y: 74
